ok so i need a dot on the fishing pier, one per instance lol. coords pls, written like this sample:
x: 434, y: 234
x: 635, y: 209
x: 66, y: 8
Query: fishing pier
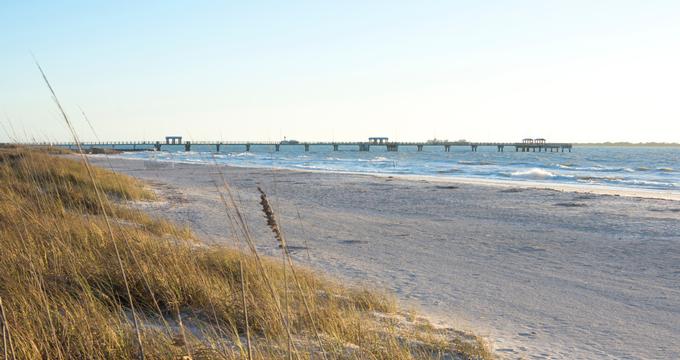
x: 176, y: 143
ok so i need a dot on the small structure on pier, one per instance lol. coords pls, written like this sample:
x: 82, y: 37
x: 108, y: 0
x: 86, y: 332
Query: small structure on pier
x: 173, y: 140
x: 539, y: 144
x: 289, y: 142
x: 378, y: 140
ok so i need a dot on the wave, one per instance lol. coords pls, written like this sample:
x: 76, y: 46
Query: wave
x: 312, y: 167
x: 624, y: 181
x: 597, y: 168
x: 376, y: 159
x: 599, y: 178
x: 467, y: 162
x: 449, y: 171
x: 534, y: 173
x: 241, y: 154
x: 647, y: 183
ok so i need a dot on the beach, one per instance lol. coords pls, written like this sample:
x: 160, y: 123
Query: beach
x: 542, y: 273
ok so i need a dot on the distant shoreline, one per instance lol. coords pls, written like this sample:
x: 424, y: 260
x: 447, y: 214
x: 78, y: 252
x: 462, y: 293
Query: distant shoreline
x: 629, y: 144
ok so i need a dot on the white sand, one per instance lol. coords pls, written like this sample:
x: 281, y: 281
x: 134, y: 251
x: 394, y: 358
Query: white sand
x: 543, y: 273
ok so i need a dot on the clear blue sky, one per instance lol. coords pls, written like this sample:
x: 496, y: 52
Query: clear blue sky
x: 480, y: 70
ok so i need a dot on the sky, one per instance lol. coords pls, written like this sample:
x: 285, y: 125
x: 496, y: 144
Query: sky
x: 572, y: 71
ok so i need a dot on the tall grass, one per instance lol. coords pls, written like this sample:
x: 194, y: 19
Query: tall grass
x: 63, y: 294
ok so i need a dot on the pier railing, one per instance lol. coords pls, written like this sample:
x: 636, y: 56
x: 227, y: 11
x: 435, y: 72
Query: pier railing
x: 361, y: 145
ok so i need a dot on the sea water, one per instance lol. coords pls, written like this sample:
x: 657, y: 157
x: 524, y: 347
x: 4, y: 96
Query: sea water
x: 656, y: 168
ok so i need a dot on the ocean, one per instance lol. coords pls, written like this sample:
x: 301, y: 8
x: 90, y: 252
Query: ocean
x: 652, y: 168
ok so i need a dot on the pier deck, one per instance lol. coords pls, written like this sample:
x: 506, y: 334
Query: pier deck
x: 336, y: 145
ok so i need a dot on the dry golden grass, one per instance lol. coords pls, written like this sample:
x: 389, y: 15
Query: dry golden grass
x: 63, y: 294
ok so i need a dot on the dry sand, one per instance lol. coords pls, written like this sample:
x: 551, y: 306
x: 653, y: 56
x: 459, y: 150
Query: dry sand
x: 542, y: 273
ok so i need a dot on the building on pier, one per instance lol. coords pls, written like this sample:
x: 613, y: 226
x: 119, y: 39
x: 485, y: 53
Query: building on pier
x: 378, y: 140
x: 173, y: 140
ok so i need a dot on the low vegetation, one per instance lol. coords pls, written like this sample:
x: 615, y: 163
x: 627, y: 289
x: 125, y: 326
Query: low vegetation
x: 85, y: 275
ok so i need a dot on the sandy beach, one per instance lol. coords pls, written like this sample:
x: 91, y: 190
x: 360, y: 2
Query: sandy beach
x: 542, y: 273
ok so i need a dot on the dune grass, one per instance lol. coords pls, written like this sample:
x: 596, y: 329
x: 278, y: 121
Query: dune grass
x: 63, y: 294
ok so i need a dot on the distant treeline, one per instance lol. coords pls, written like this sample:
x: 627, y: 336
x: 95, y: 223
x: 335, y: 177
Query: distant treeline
x: 623, y: 143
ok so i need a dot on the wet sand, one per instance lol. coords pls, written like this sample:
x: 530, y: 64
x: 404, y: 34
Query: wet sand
x: 543, y: 273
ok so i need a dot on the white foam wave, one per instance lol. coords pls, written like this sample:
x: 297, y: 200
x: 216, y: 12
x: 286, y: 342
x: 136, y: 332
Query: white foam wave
x: 534, y: 173
x: 246, y: 153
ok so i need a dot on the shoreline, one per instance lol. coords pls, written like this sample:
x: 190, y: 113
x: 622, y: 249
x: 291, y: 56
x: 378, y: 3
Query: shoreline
x: 524, y: 184
x: 588, y: 189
